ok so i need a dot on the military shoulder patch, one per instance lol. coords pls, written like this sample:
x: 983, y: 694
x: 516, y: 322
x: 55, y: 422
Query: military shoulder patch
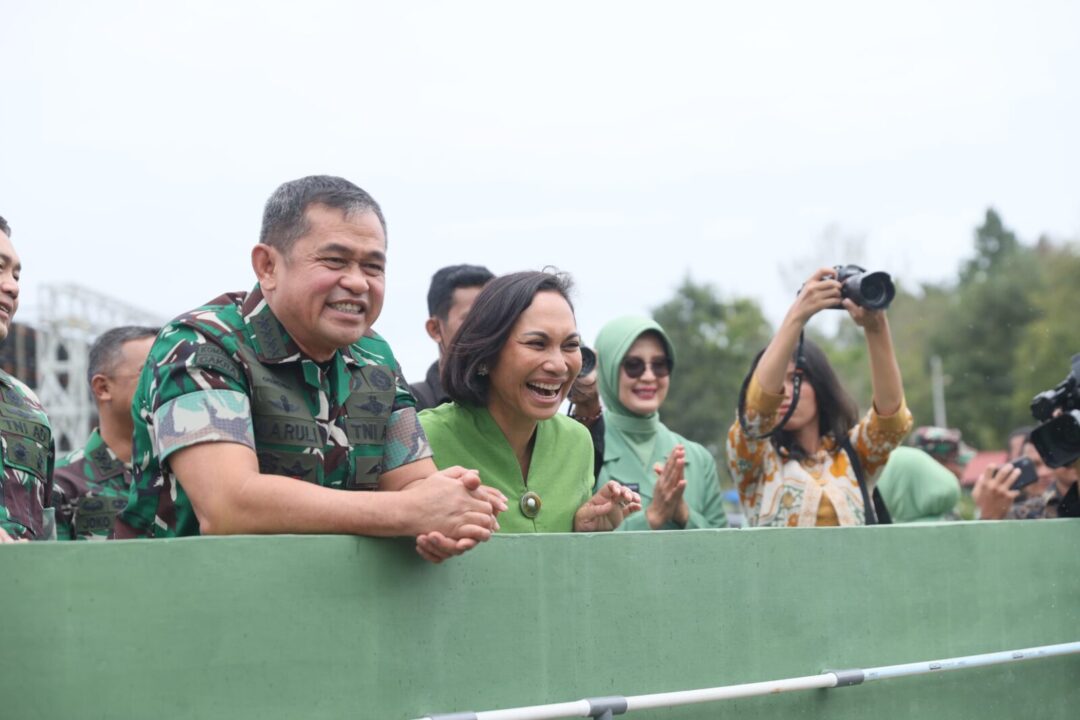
x: 214, y: 358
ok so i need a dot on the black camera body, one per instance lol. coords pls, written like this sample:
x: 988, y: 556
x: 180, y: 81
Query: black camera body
x: 1058, y: 438
x: 871, y: 290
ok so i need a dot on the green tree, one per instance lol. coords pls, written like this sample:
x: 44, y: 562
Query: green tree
x: 916, y: 318
x: 995, y: 245
x: 1049, y: 342
x: 715, y: 341
x: 981, y: 335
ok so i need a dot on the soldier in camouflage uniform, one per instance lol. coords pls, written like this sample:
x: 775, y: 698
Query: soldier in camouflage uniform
x: 247, y: 396
x: 90, y: 485
x: 996, y: 500
x: 1048, y: 502
x: 1040, y: 507
x: 26, y: 444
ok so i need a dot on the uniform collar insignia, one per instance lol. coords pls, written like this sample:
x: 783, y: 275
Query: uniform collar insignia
x: 272, y: 342
x: 105, y: 462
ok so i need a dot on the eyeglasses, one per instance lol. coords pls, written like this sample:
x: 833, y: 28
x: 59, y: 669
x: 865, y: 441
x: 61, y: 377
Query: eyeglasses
x: 634, y: 367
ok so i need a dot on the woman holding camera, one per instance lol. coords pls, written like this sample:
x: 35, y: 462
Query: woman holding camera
x: 803, y: 473
x: 508, y: 371
x: 675, y: 477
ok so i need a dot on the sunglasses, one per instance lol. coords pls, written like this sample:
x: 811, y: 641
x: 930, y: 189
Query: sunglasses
x: 634, y: 367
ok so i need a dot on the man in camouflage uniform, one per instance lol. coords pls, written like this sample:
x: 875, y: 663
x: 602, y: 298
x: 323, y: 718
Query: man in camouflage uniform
x: 246, y: 396
x: 996, y: 500
x: 1047, y: 503
x: 26, y: 452
x: 946, y: 445
x: 90, y: 485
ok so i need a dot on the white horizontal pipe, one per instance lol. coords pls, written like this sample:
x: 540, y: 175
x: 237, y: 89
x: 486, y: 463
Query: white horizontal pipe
x: 729, y: 692
x: 576, y: 709
x: 581, y: 708
x: 887, y: 672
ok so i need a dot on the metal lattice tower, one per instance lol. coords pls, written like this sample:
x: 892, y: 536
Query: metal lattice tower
x: 69, y: 319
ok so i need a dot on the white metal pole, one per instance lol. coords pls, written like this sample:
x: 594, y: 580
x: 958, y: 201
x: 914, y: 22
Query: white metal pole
x: 835, y: 678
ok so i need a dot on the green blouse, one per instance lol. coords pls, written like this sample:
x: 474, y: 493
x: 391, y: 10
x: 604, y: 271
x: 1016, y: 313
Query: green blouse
x: 561, y: 470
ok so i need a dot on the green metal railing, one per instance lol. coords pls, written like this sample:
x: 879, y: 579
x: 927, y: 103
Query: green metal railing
x: 260, y: 628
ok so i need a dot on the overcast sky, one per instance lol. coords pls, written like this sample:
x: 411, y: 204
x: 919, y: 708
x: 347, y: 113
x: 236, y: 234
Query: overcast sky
x: 629, y: 144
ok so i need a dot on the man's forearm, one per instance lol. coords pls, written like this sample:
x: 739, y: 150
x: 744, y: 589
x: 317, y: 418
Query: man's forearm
x: 241, y: 500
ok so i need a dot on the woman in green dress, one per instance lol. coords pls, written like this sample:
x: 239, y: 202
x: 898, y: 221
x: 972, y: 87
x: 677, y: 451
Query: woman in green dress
x: 676, y: 477
x: 508, y: 371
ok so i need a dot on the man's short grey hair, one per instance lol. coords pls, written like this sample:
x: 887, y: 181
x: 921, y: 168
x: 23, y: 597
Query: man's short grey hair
x: 4, y: 227
x: 105, y: 352
x: 283, y: 217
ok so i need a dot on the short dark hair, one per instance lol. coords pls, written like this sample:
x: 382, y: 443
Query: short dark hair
x: 448, y: 279
x: 4, y: 227
x: 837, y: 411
x: 487, y: 328
x: 284, y: 220
x: 105, y: 352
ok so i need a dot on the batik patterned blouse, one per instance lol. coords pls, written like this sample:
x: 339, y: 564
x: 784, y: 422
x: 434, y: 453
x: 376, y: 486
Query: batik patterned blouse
x: 778, y: 491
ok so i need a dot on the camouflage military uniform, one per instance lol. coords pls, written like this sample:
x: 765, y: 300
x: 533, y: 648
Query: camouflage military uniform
x: 26, y: 456
x: 1039, y: 507
x: 229, y: 372
x: 90, y: 486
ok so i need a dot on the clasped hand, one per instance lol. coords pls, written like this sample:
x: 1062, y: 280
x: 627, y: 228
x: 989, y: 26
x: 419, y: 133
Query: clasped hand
x: 457, y: 512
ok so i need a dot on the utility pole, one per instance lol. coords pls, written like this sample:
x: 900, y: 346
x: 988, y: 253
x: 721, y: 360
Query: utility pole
x: 937, y: 386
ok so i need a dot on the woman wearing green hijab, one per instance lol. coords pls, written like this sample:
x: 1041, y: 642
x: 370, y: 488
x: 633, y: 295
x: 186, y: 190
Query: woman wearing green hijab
x: 675, y: 477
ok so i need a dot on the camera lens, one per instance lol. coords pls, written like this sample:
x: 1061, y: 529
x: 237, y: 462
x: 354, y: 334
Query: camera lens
x: 588, y: 361
x: 873, y: 291
x: 876, y: 290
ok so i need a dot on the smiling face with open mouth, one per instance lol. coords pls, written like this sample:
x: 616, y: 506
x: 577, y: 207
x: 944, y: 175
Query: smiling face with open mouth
x: 538, y: 363
x: 328, y: 289
x: 9, y: 284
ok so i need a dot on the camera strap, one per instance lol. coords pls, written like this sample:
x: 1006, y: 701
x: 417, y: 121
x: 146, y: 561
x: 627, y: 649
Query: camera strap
x: 877, y: 513
x: 796, y: 383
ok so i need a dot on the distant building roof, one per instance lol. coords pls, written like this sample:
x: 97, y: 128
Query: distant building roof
x: 982, y: 458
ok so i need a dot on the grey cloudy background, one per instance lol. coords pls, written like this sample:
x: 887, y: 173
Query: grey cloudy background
x: 627, y: 143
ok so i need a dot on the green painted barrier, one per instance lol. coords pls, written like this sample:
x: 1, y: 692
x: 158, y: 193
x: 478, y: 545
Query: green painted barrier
x: 342, y: 627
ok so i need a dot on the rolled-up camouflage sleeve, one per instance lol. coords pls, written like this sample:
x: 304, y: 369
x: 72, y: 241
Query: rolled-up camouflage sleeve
x: 403, y: 396
x: 203, y: 416
x: 199, y: 394
x: 405, y: 440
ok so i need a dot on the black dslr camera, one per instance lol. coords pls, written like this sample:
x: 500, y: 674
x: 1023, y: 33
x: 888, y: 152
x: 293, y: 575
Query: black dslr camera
x: 871, y: 290
x: 1058, y: 438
